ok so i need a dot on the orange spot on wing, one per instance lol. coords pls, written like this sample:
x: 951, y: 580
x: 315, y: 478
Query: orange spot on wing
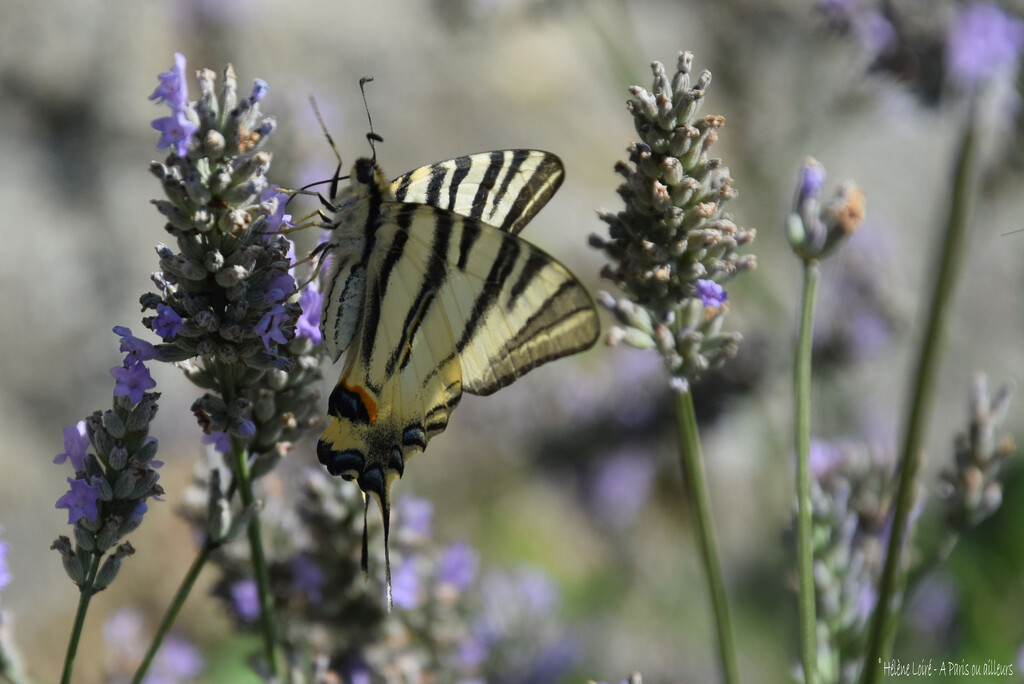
x: 364, y: 396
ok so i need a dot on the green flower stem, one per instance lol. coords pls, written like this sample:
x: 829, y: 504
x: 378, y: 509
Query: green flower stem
x: 954, y: 252
x: 802, y: 426
x: 259, y: 561
x: 696, y: 484
x: 84, y: 596
x: 173, y: 609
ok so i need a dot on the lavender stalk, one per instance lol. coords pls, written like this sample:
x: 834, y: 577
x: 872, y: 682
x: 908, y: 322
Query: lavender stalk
x: 813, y: 233
x: 671, y: 249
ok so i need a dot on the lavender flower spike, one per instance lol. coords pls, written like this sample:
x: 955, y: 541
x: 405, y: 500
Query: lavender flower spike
x: 673, y: 245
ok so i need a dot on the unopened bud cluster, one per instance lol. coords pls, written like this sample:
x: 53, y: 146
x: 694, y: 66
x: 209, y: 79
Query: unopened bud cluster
x: 815, y: 231
x: 973, y: 489
x: 673, y: 246
x: 852, y: 493
x: 108, y: 495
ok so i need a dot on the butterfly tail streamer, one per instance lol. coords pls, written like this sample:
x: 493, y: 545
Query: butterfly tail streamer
x: 386, y: 512
x: 364, y: 561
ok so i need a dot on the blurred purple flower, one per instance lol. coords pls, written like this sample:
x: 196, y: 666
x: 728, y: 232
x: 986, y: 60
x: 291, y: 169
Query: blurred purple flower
x: 405, y: 585
x: 866, y: 602
x: 550, y: 665
x: 76, y: 443
x: 221, y: 441
x: 167, y: 322
x: 933, y: 606
x: 269, y: 327
x: 175, y: 130
x: 620, y: 486
x: 132, y: 381
x: 123, y: 633
x: 138, y: 350
x: 871, y: 28
x: 416, y: 515
x: 838, y: 10
x: 473, y: 650
x: 458, y: 566
x: 245, y: 599
x: 528, y: 589
x: 983, y: 40
x: 711, y: 293
x: 308, y: 577
x: 80, y: 501
x: 5, y: 572
x: 630, y: 377
x: 177, y: 660
x: 173, y: 88
x: 870, y: 333
x: 127, y: 638
x: 308, y: 325
x: 823, y: 457
x: 876, y: 33
x: 355, y: 672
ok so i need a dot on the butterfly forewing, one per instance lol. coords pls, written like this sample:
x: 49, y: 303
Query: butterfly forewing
x: 505, y: 188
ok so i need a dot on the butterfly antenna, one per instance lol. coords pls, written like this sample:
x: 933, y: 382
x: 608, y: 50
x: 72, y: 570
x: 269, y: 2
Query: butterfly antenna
x: 337, y: 155
x: 371, y: 136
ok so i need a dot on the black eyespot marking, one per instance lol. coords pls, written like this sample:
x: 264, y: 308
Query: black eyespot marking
x: 372, y: 481
x: 342, y: 463
x: 344, y: 403
x: 415, y: 435
x: 396, y: 462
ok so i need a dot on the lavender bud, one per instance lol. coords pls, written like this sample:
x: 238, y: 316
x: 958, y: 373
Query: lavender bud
x: 111, y: 566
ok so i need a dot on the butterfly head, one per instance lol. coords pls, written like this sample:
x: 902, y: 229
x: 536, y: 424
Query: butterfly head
x: 366, y: 172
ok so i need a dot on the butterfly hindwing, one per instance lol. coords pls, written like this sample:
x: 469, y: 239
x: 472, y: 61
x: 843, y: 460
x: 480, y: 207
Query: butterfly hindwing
x: 510, y: 307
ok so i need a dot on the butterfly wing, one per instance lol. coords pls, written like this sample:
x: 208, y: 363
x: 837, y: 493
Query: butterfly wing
x: 451, y: 304
x: 504, y: 188
x: 510, y: 306
x: 344, y: 278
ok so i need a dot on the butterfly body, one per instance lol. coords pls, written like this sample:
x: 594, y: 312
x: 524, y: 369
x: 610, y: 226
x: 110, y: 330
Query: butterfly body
x: 429, y: 294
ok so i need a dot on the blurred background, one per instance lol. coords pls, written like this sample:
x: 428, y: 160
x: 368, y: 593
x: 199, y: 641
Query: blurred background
x: 572, y: 471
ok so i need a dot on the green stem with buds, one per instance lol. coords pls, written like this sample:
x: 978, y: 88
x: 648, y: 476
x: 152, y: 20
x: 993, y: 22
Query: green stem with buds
x: 802, y: 427
x: 695, y: 481
x: 84, y: 596
x: 954, y: 252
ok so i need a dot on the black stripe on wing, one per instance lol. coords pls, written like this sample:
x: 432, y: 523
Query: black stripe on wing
x: 504, y: 188
x: 433, y: 278
x: 503, y: 264
x: 378, y: 288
